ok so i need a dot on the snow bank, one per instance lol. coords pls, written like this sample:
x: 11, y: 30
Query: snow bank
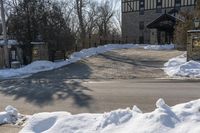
x: 9, y: 116
x: 160, y: 47
x: 183, y: 118
x: 101, y: 49
x: 35, y: 67
x: 179, y: 66
x: 39, y: 66
x: 117, y: 117
x: 10, y: 42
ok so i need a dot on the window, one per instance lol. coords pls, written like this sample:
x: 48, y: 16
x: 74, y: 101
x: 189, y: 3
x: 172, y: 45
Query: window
x: 177, y: 3
x: 159, y: 6
x: 141, y: 26
x: 13, y: 55
x: 141, y: 7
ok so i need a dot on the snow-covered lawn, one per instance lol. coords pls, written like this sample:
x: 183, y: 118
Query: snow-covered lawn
x: 182, y: 118
x: 179, y: 66
x: 39, y: 66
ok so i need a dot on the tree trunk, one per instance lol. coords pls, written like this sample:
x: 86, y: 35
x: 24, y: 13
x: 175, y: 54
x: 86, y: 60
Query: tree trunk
x: 79, y: 6
x: 6, y: 50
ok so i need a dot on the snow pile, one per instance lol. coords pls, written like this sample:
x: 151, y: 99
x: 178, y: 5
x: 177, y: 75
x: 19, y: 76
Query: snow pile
x: 117, y: 117
x: 35, y: 67
x: 160, y: 47
x: 10, y: 115
x: 183, y: 118
x: 39, y: 66
x: 61, y: 122
x: 179, y: 66
x: 10, y: 42
x: 102, y: 49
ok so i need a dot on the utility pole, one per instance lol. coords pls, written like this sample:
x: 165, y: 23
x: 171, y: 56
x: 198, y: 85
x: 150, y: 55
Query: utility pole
x: 5, y: 47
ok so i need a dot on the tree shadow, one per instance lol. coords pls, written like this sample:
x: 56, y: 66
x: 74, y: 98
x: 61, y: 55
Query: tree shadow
x: 78, y: 70
x: 137, y: 61
x: 42, y: 90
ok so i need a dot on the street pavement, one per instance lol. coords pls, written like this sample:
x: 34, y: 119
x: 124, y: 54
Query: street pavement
x: 94, y: 96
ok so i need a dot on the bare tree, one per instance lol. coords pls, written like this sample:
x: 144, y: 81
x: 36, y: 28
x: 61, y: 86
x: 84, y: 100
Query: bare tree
x: 118, y: 21
x: 106, y: 13
x: 80, y: 5
x: 92, y: 18
x: 10, y: 6
x: 6, y: 51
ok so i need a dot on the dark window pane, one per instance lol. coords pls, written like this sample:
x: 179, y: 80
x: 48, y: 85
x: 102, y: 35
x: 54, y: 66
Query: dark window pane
x: 141, y: 26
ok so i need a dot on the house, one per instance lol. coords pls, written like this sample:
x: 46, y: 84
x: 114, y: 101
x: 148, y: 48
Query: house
x: 152, y: 21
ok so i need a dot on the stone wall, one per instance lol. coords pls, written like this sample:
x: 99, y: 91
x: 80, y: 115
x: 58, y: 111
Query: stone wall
x: 40, y: 52
x: 193, y: 45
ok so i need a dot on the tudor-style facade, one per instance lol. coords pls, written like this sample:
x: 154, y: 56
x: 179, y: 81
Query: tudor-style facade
x: 152, y: 21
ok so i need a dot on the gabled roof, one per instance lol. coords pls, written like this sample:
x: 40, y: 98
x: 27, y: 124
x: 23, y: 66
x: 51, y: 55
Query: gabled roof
x: 164, y: 22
